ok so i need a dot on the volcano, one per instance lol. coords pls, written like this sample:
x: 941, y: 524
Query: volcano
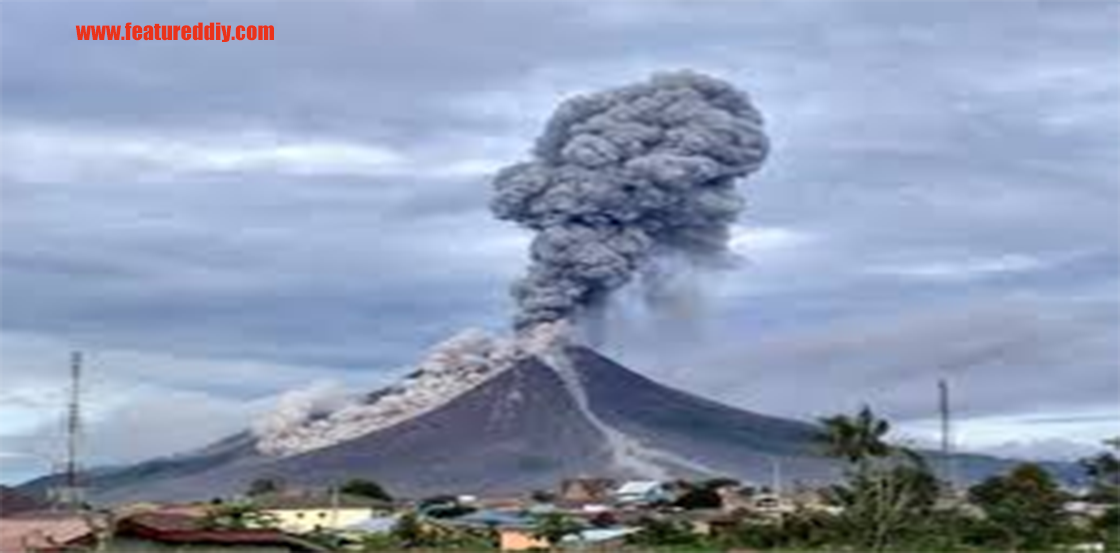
x: 522, y: 429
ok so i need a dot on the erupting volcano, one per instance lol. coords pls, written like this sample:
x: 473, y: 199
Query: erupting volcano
x: 622, y: 187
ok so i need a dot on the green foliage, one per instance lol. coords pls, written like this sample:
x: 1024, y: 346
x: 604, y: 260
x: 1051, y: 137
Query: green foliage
x: 365, y: 488
x: 699, y: 498
x: 1107, y: 528
x: 379, y: 542
x: 262, y: 486
x: 551, y: 527
x: 239, y: 515
x: 1025, y: 506
x: 884, y: 503
x: 799, y: 530
x: 326, y: 538
x: 889, y: 490
x: 720, y: 482
x: 1104, y: 470
x: 410, y: 532
x: 444, y: 506
x: 855, y: 438
x: 662, y: 532
x: 542, y: 496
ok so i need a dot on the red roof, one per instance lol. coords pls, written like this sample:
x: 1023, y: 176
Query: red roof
x: 179, y: 528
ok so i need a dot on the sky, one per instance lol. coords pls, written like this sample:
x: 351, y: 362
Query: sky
x: 216, y: 223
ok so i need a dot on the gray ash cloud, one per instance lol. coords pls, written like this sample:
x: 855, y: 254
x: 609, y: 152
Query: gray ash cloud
x: 623, y: 177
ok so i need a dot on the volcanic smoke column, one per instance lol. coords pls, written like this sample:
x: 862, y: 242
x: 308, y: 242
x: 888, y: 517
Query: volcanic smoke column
x: 624, y: 177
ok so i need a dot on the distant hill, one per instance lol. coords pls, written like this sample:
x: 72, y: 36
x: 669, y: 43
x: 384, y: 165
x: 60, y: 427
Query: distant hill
x: 14, y: 502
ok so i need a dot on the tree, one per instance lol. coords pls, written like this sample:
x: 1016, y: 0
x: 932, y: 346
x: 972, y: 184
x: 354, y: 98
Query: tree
x: 1107, y: 528
x: 1104, y: 471
x: 883, y: 505
x: 1025, y: 506
x: 721, y: 482
x: 410, y: 532
x: 262, y: 486
x: 444, y: 506
x: 542, y: 496
x: 552, y: 527
x: 855, y: 439
x: 365, y: 488
x: 888, y: 489
x: 657, y: 532
x: 699, y: 498
x: 799, y: 530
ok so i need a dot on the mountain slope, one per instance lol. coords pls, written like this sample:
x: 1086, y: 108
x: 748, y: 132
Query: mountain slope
x: 524, y: 428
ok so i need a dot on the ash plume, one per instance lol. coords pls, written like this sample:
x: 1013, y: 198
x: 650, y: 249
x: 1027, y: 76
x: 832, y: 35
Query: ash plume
x: 622, y: 177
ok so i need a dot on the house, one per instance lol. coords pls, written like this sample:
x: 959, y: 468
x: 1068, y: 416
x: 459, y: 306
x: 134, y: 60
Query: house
x: 772, y: 504
x: 519, y: 539
x: 155, y: 532
x: 580, y: 491
x: 302, y: 513
x: 493, y: 519
x: 641, y: 492
x: 375, y: 525
x: 1084, y: 513
x: 599, y: 538
x: 507, y: 503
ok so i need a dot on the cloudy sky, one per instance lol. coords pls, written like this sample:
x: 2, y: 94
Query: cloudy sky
x: 215, y: 223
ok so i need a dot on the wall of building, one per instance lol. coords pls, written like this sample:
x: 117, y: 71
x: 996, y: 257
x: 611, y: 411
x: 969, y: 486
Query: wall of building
x: 520, y: 540
x: 300, y: 521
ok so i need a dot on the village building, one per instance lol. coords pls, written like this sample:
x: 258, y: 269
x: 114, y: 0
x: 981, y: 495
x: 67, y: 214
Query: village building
x: 582, y: 491
x: 143, y: 532
x: 641, y: 492
x: 157, y: 532
x: 302, y: 513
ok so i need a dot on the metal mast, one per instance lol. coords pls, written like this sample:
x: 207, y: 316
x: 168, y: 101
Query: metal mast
x: 948, y: 469
x: 71, y: 491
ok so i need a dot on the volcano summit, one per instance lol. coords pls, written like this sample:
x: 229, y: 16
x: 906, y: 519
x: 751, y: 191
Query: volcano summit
x: 523, y: 425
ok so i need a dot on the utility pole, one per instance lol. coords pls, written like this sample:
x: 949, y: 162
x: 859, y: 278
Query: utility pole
x: 776, y: 476
x: 70, y: 494
x: 947, y: 463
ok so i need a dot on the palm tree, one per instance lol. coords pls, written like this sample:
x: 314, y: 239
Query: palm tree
x: 855, y: 439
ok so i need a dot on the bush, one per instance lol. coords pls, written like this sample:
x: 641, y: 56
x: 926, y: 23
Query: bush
x: 365, y: 488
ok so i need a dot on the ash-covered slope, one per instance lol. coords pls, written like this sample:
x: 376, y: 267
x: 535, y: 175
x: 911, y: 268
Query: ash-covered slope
x: 725, y: 440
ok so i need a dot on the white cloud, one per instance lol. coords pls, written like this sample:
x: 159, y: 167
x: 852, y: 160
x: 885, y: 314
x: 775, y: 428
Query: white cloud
x: 961, y: 269
x: 35, y: 153
x: 759, y: 241
x: 1054, y: 435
